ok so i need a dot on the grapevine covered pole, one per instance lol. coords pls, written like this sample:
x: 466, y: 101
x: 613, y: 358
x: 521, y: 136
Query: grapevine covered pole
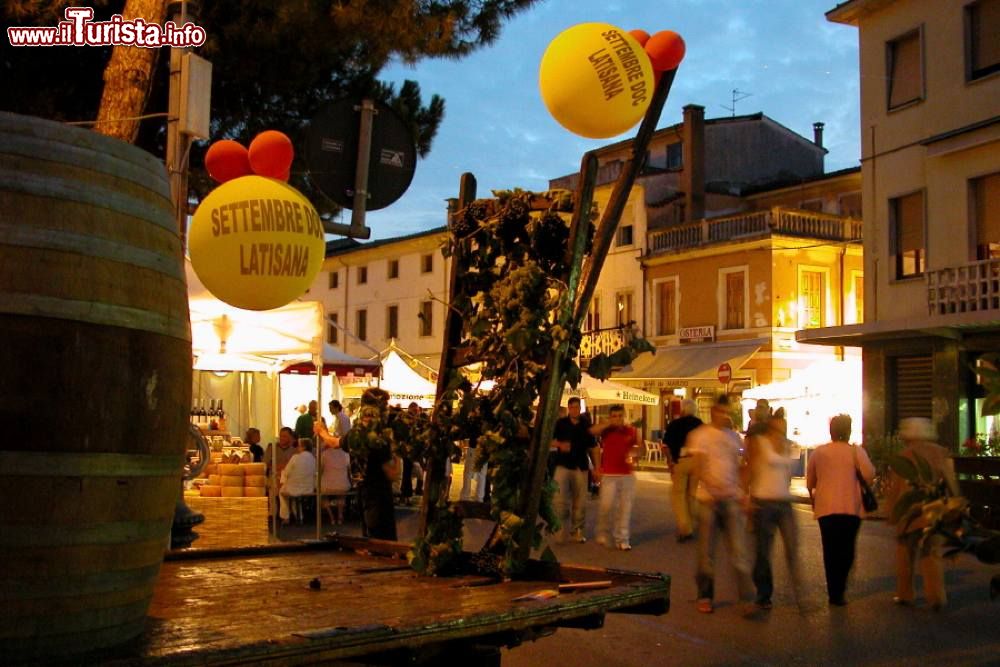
x: 578, y: 302
x: 548, y: 402
x: 452, y: 339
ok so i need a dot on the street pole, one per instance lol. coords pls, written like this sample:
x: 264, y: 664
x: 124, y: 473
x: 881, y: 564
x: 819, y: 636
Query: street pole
x: 178, y: 143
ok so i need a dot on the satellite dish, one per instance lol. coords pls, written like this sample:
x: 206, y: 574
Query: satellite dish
x: 331, y: 153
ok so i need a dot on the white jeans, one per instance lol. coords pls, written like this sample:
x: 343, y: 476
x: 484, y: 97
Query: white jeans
x: 617, y: 494
x: 469, y: 473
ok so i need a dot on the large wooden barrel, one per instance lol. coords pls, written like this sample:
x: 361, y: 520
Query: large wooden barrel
x: 95, y: 386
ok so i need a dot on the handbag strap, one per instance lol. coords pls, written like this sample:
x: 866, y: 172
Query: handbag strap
x: 857, y: 469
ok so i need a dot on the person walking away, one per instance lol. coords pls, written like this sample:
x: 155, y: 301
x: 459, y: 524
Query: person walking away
x: 716, y: 450
x: 832, y: 481
x: 681, y: 466
x: 613, y: 467
x: 298, y: 478
x: 918, y: 435
x: 770, y: 471
x: 573, y: 441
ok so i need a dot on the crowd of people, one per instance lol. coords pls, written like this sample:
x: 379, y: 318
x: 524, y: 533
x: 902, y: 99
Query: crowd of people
x: 724, y: 483
x: 738, y: 486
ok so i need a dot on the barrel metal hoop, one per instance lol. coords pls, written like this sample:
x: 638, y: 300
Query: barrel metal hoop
x: 69, y: 135
x: 91, y: 158
x: 51, y: 239
x: 107, y: 314
x: 76, y: 464
x: 79, y: 192
x: 60, y: 535
x: 90, y: 584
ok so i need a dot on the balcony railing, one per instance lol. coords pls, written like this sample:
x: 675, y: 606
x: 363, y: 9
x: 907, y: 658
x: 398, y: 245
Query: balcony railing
x: 790, y: 221
x: 964, y: 289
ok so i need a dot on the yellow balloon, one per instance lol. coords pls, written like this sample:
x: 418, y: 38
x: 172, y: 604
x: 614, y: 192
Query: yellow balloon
x: 256, y: 243
x: 596, y: 80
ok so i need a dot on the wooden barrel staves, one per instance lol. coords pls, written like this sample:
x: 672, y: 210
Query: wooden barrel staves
x: 95, y: 361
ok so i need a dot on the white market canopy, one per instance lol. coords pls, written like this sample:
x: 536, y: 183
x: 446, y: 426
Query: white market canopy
x: 596, y: 392
x: 404, y: 384
x: 226, y: 338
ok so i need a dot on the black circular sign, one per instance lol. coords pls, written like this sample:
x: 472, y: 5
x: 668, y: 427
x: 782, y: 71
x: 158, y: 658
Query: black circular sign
x: 331, y: 152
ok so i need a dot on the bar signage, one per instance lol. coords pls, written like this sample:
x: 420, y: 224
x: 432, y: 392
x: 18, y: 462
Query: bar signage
x: 696, y: 334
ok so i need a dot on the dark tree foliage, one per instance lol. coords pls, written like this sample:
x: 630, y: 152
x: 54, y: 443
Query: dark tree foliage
x: 275, y: 64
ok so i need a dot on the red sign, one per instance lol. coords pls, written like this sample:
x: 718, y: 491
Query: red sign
x: 725, y: 373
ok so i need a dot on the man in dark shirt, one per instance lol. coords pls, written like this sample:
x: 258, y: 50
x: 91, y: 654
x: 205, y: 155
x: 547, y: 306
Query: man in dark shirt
x: 253, y: 443
x: 681, y: 469
x: 574, y: 443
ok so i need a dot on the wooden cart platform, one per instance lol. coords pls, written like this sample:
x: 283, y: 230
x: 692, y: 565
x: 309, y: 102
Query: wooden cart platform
x: 256, y: 606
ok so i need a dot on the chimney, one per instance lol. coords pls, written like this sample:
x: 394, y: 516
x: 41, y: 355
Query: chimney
x: 818, y: 133
x: 693, y: 156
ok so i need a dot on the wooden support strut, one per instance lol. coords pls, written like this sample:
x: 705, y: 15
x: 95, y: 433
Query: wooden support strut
x: 577, y: 305
x: 450, y: 347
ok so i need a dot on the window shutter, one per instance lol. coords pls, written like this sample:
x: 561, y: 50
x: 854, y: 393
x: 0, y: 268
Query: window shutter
x: 987, y: 195
x: 910, y: 222
x: 905, y: 78
x: 914, y: 387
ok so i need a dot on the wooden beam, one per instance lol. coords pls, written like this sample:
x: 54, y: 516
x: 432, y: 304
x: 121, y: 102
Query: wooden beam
x: 450, y: 342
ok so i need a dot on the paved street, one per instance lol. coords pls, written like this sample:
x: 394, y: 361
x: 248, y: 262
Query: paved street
x: 870, y: 630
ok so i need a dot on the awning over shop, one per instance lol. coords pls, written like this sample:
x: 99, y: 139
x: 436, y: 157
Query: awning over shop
x: 690, y: 361
x: 337, y: 362
x: 596, y: 392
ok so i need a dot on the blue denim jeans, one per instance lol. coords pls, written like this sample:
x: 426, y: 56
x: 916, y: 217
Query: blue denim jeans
x: 770, y: 516
x: 725, y: 516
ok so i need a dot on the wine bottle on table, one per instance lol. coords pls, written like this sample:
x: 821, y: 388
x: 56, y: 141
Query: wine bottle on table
x: 201, y: 413
x: 194, y: 412
x: 213, y: 425
x: 221, y: 414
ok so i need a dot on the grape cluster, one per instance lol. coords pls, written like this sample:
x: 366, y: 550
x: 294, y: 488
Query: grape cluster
x: 548, y: 241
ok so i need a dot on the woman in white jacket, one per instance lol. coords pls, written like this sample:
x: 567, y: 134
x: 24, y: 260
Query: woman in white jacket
x: 299, y: 476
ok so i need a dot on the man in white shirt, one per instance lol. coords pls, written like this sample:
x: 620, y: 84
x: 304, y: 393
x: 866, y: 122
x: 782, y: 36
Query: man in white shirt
x: 721, y: 502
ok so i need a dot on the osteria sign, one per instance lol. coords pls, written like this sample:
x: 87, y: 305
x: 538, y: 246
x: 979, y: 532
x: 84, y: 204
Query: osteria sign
x: 705, y: 334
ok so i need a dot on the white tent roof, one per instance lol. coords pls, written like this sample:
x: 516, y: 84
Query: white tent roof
x: 403, y: 383
x: 228, y: 338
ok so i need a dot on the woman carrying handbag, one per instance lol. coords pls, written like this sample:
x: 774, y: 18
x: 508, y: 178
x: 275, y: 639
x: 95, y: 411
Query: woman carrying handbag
x: 833, y: 479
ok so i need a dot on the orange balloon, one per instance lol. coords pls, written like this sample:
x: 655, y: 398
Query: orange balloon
x: 666, y: 50
x: 226, y: 160
x: 271, y: 154
x: 641, y: 36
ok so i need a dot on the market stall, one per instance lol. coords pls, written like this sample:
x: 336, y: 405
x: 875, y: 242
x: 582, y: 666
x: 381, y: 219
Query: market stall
x: 238, y: 357
x: 399, y: 376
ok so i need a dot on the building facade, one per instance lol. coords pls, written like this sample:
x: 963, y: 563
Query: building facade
x: 734, y: 289
x: 930, y: 127
x: 383, y: 291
